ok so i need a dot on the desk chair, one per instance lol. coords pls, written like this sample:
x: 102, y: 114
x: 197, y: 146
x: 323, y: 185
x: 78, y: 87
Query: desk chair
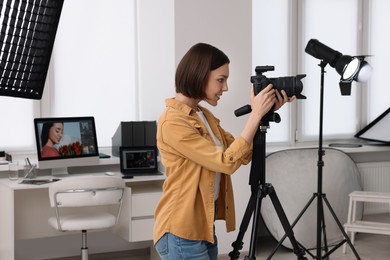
x: 84, y: 194
x: 293, y: 173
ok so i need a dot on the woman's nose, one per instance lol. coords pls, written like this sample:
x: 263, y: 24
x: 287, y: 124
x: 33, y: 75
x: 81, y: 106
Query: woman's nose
x: 225, y: 87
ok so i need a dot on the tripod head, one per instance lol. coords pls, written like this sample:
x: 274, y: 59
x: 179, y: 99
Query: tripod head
x: 271, y: 116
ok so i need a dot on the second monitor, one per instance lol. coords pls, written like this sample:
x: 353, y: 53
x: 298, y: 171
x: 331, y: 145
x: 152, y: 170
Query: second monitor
x: 138, y: 161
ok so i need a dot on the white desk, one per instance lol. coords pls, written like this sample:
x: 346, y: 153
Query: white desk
x: 25, y: 210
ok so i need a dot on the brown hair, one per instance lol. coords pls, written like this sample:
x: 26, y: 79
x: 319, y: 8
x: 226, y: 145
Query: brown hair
x: 194, y: 68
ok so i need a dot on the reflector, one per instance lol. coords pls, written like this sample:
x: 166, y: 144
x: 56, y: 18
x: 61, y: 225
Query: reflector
x: 347, y: 66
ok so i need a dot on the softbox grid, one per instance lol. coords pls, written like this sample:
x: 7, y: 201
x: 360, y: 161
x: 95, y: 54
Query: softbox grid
x: 27, y: 33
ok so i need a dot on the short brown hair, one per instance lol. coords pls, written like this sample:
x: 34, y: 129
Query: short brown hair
x: 194, y: 68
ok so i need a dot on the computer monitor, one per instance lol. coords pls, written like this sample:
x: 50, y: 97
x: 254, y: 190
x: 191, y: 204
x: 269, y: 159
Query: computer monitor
x: 64, y: 142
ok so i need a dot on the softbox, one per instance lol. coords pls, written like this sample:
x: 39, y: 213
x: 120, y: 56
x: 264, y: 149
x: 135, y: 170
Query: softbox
x: 27, y: 33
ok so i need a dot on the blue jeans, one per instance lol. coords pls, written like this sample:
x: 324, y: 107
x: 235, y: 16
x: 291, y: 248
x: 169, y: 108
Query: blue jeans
x: 171, y: 247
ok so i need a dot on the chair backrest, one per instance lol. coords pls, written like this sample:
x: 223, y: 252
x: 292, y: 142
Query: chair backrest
x: 86, y: 191
x: 294, y: 175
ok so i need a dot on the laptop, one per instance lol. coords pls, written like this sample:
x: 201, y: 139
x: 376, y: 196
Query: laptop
x: 138, y: 161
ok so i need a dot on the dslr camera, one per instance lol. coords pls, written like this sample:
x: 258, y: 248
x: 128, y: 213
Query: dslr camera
x: 291, y: 85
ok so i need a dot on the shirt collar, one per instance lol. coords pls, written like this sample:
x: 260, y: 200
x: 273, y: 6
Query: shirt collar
x: 172, y: 102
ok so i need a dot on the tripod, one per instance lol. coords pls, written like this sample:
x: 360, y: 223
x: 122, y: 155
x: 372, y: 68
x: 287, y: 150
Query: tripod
x: 261, y: 189
x: 321, y: 197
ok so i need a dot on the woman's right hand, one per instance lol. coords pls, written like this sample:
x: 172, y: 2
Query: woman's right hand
x: 260, y: 104
x: 263, y: 101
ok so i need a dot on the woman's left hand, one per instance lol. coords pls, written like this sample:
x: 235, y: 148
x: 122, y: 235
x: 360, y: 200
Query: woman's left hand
x: 282, y: 99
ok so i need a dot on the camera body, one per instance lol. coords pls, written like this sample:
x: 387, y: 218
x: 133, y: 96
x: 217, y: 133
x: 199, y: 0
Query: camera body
x: 291, y: 85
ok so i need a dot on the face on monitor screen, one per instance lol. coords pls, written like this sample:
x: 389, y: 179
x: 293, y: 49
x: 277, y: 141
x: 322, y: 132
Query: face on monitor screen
x: 64, y: 138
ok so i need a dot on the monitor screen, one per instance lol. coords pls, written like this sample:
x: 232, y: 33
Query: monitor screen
x: 66, y: 141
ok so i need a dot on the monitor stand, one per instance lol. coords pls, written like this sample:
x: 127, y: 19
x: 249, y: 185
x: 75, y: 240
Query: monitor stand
x: 59, y: 172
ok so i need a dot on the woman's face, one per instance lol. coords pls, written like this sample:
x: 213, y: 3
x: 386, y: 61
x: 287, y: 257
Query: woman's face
x: 216, y: 84
x: 55, y: 133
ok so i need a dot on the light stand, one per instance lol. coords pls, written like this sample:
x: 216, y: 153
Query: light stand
x: 321, y: 197
x: 351, y: 69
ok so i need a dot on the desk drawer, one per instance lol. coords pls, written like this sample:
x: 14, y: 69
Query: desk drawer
x: 144, y: 204
x: 137, y: 220
x: 142, y: 230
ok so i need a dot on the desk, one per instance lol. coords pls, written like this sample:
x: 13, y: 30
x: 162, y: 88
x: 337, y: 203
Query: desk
x: 25, y: 210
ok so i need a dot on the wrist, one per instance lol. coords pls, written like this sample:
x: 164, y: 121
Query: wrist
x: 256, y: 117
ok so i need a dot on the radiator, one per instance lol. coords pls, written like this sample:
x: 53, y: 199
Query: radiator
x: 375, y: 176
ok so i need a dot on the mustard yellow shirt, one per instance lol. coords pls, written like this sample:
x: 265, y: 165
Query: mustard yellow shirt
x: 191, y: 159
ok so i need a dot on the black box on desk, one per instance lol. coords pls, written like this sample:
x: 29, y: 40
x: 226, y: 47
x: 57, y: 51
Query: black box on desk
x: 134, y: 133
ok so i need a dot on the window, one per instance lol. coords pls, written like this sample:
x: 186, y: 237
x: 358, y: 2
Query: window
x: 378, y: 89
x: 266, y: 51
x: 349, y: 27
x: 340, y: 112
x: 17, y: 128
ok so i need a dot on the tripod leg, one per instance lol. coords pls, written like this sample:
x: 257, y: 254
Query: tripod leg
x: 237, y: 245
x: 256, y: 218
x: 341, y: 229
x: 321, y: 227
x: 326, y: 249
x: 285, y: 223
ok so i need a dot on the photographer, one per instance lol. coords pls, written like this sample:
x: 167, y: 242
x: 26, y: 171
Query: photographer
x: 199, y: 156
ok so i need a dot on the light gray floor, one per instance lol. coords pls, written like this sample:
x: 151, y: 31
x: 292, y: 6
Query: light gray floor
x: 368, y: 247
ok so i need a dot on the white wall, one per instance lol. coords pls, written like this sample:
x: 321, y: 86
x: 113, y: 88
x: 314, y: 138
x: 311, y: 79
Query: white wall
x: 225, y: 24
x: 156, y: 49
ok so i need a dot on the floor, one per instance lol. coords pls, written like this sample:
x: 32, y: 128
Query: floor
x: 141, y: 254
x: 368, y: 247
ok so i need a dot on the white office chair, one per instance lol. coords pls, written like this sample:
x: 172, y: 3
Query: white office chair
x: 85, y: 194
x: 294, y: 174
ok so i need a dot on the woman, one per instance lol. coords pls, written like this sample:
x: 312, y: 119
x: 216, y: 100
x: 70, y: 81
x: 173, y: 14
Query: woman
x: 51, y: 134
x: 199, y: 156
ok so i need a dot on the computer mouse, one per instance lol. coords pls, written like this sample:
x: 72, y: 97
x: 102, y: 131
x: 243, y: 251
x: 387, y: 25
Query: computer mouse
x: 110, y: 173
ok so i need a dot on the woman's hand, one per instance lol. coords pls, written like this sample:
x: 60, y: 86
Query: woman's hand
x: 282, y: 99
x: 263, y: 101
